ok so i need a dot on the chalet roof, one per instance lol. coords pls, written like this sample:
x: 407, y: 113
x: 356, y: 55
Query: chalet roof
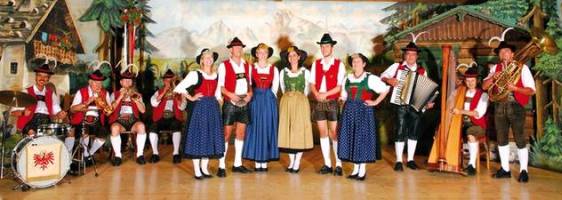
x: 460, y: 24
x: 20, y: 21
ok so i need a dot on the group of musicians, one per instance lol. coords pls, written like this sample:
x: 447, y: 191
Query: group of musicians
x: 262, y: 127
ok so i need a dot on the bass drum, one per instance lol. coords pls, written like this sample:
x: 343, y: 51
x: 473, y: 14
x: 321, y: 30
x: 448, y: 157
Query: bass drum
x: 40, y: 162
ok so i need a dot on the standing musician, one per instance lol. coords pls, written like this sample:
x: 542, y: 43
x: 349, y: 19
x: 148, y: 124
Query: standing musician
x: 167, y: 115
x: 89, y: 108
x: 510, y: 111
x: 127, y: 105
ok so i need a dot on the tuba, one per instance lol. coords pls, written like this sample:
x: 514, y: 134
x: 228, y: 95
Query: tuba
x: 540, y: 42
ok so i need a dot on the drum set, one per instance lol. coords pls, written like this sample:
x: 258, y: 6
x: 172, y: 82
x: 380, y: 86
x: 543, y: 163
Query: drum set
x: 41, y: 160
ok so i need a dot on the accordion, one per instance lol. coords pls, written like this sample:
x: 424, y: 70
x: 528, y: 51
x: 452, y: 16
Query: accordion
x: 413, y: 89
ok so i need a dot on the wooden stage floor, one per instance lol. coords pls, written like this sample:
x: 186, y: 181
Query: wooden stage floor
x: 167, y: 181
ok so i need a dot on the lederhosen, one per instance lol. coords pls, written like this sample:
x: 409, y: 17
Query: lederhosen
x: 230, y: 112
x: 510, y: 112
x: 471, y: 125
x: 91, y: 124
x: 329, y: 109
x: 125, y: 120
x: 166, y: 119
x: 407, y: 117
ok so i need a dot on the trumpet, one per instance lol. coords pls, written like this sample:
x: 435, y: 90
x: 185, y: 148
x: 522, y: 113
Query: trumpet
x: 103, y: 105
x: 133, y: 93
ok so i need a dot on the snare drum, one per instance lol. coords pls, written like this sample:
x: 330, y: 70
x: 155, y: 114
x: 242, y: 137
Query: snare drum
x: 53, y: 129
x: 40, y: 161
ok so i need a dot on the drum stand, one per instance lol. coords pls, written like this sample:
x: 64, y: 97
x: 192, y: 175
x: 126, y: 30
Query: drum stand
x: 4, y: 129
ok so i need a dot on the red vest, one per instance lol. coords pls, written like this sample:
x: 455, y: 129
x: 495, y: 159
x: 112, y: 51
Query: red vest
x: 77, y: 117
x: 23, y: 120
x: 331, y: 77
x: 207, y: 87
x: 365, y: 94
x: 263, y: 81
x: 520, y: 98
x: 482, y: 121
x: 420, y: 70
x: 230, y: 77
x: 158, y: 111
x: 115, y: 115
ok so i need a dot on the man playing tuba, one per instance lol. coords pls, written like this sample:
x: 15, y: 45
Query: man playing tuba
x: 509, y: 110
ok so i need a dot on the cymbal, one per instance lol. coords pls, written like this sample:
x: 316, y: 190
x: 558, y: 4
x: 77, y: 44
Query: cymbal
x: 16, y: 98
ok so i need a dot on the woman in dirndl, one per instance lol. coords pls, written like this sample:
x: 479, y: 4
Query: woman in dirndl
x: 295, y: 128
x: 357, y: 132
x: 261, y: 134
x: 205, y: 138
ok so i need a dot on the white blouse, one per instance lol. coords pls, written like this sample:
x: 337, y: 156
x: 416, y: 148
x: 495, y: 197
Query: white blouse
x: 373, y: 83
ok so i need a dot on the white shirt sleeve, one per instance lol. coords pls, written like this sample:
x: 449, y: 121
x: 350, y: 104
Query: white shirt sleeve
x: 282, y: 82
x: 56, y: 103
x: 527, y: 78
x: 482, y: 105
x: 275, y: 82
x: 312, y: 73
x: 343, y: 92
x: 341, y: 73
x: 183, y: 104
x: 306, y: 79
x: 377, y: 85
x: 390, y: 71
x: 154, y: 100
x: 189, y: 80
x: 109, y: 98
x: 77, y: 98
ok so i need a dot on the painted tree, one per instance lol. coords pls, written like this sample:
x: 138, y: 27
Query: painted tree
x: 507, y: 10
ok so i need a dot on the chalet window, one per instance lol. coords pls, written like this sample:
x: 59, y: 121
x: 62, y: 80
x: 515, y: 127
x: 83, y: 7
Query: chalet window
x: 13, y: 68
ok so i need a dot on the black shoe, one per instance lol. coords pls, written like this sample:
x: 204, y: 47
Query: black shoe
x: 398, y: 167
x: 326, y: 170
x: 206, y: 175
x: 264, y: 169
x: 523, y: 177
x: 240, y: 169
x: 176, y: 159
x: 353, y: 176
x: 361, y: 178
x: 412, y: 165
x: 89, y: 161
x: 290, y: 170
x: 116, y: 161
x: 198, y: 177
x: 502, y: 174
x: 257, y: 169
x: 338, y: 171
x: 221, y: 173
x: 470, y: 170
x: 154, y: 158
x: 140, y: 160
x: 295, y: 171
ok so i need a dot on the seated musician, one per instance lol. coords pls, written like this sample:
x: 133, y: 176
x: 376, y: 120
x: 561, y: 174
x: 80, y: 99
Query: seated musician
x: 474, y: 119
x: 127, y: 105
x: 167, y: 115
x: 89, y: 107
x: 47, y: 108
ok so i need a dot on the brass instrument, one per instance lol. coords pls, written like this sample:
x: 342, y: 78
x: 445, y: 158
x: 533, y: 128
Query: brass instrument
x: 170, y: 92
x: 133, y: 93
x: 103, y: 105
x: 540, y: 42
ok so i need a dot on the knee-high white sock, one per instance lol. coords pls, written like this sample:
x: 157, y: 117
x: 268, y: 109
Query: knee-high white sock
x: 197, y: 167
x: 335, y: 148
x: 222, y: 161
x: 153, y: 137
x: 116, y: 144
x: 291, y: 160
x: 325, y: 146
x: 85, y: 142
x: 297, y: 164
x: 258, y: 165
x: 98, y: 142
x: 399, y: 149
x: 472, y: 151
x: 205, y: 165
x: 69, y: 143
x: 362, y: 169
x: 264, y: 165
x: 523, y: 159
x: 355, y: 169
x: 411, y: 149
x: 141, y: 140
x: 238, y: 145
x: 176, y: 137
x: 504, y: 157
